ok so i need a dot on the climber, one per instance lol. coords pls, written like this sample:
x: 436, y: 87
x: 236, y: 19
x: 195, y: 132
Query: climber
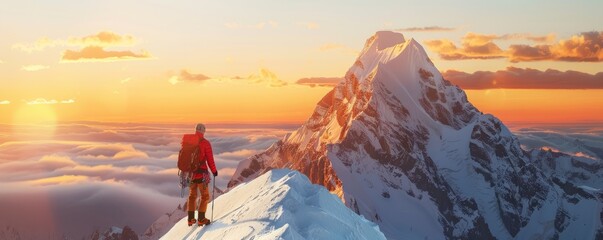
x: 200, y: 177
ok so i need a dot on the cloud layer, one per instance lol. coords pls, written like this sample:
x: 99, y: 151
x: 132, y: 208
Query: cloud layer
x: 581, y: 140
x: 89, y: 172
x: 520, y: 78
x: 584, y: 47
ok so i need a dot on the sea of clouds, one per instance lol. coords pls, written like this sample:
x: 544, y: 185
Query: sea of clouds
x: 76, y: 177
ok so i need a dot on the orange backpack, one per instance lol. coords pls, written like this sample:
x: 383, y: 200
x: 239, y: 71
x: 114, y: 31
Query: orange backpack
x: 188, y: 159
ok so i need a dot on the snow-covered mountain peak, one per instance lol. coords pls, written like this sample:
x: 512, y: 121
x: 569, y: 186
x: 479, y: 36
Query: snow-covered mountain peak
x: 280, y: 204
x: 406, y: 149
x: 384, y: 39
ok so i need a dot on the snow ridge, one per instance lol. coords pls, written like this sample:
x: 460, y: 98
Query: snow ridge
x: 280, y: 204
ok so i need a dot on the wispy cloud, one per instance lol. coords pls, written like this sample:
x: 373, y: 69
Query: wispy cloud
x: 319, y: 81
x: 527, y: 78
x: 92, y: 47
x: 267, y: 77
x: 33, y: 68
x: 4, y: 102
x: 49, y: 101
x: 264, y: 76
x: 426, y: 29
x: 98, y: 54
x: 103, y: 39
x: 39, y: 45
x: 185, y: 76
x: 125, y: 80
x: 584, y: 47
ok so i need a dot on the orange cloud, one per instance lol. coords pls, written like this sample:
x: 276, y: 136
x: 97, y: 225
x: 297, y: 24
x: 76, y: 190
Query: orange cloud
x: 519, y: 36
x: 92, y: 48
x: 518, y: 78
x: 38, y: 45
x: 98, y: 54
x: 474, y: 46
x: 4, y: 102
x: 585, y: 47
x: 426, y: 29
x: 185, y: 75
x: 266, y: 76
x: 57, y: 159
x: 319, y: 81
x: 104, y: 38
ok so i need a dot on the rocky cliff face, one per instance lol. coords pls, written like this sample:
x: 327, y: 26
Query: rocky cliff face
x: 406, y: 149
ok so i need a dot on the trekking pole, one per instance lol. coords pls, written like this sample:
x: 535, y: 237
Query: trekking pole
x: 213, y: 191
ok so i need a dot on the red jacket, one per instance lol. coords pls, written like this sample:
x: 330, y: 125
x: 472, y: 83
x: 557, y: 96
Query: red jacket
x: 205, y: 152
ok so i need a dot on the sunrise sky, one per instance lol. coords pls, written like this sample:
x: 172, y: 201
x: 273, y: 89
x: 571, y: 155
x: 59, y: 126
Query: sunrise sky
x: 117, y: 83
x: 242, y: 61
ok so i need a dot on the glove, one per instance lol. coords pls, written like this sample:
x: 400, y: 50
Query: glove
x: 215, y: 173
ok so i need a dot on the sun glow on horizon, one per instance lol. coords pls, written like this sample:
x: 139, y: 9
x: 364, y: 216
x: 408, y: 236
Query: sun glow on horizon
x: 547, y: 106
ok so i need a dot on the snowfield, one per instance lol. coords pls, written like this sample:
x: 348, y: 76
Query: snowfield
x: 280, y: 204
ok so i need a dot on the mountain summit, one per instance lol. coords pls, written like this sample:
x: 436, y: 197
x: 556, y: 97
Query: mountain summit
x: 405, y: 148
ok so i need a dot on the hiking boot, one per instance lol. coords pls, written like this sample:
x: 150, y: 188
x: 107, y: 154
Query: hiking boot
x: 191, y: 218
x: 203, y: 221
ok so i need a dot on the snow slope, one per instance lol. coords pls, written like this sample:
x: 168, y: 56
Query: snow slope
x: 164, y: 223
x: 280, y: 204
x: 404, y: 148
